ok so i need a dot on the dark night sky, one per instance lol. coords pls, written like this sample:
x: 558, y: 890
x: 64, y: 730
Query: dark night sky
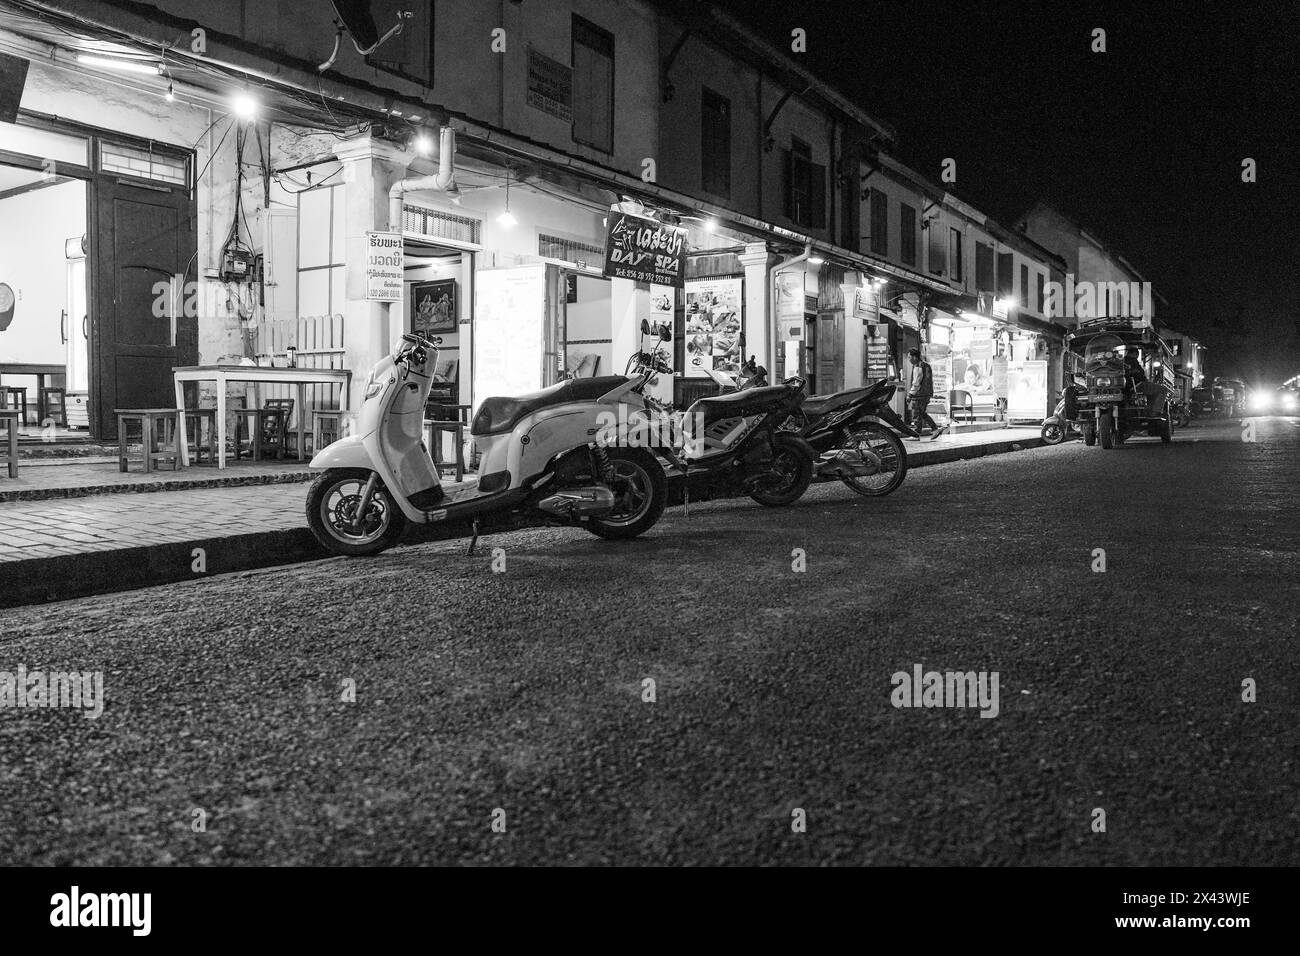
x: 1143, y: 143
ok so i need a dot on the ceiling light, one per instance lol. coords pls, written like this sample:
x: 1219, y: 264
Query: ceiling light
x: 424, y: 143
x: 117, y: 63
x: 506, y: 218
x: 815, y: 260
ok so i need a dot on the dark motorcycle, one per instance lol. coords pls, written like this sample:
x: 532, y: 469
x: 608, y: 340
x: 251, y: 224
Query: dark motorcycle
x: 1063, y: 422
x: 734, y: 442
x: 854, y: 434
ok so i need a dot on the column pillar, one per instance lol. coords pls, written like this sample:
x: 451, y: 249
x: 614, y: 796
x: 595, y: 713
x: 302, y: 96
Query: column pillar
x: 854, y: 332
x: 370, y: 167
x: 760, y: 320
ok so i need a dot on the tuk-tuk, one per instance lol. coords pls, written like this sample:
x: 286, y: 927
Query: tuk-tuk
x: 1129, y: 380
x: 1230, y: 397
x: 1203, y: 404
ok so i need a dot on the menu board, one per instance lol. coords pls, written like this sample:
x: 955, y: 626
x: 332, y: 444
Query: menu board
x: 877, y: 351
x: 938, y: 356
x: 1000, y: 376
x: 714, y: 310
x: 1026, y: 390
x: 644, y: 250
x: 508, y: 317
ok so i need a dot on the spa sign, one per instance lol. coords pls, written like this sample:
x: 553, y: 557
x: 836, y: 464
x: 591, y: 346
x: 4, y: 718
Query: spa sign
x: 644, y: 250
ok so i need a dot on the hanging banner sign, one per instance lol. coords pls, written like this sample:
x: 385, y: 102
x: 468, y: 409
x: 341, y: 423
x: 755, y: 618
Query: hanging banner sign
x: 385, y: 266
x: 644, y: 250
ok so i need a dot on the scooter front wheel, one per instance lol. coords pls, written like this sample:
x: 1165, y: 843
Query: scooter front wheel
x: 332, y: 506
x: 1052, y: 433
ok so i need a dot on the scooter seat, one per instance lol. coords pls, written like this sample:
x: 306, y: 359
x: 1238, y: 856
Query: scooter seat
x: 497, y: 415
x: 815, y: 406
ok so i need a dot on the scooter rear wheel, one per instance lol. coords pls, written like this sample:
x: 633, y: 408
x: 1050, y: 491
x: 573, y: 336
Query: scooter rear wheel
x: 331, y: 510
x: 641, y: 490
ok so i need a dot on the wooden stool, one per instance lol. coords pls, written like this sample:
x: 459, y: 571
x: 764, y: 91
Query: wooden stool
x: 433, y: 431
x: 17, y: 398
x: 194, y: 435
x: 54, y: 401
x: 9, y: 418
x: 169, y: 450
x: 326, y: 423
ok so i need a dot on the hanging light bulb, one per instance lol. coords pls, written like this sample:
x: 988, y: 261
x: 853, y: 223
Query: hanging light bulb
x: 506, y: 218
x: 170, y: 96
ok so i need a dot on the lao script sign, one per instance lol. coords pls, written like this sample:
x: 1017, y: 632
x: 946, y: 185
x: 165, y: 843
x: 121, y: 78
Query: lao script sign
x: 644, y: 250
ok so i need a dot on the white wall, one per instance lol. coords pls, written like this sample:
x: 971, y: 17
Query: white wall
x: 33, y: 228
x: 591, y: 318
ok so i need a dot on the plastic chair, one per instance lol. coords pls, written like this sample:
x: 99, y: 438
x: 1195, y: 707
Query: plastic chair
x: 960, y: 400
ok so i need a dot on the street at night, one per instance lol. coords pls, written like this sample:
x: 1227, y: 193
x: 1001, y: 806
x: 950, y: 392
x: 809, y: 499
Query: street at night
x: 523, y: 689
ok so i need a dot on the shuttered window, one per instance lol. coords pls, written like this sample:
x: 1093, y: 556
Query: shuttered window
x: 907, y: 234
x: 983, y: 267
x: 879, y: 223
x: 1006, y: 275
x: 938, y: 248
x: 805, y: 187
x: 1042, y: 293
x: 715, y: 143
x: 1024, y: 286
x: 954, y: 253
x: 593, y: 85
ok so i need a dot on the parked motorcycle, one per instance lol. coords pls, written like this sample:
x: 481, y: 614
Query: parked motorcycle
x: 537, y: 456
x: 855, y: 434
x: 735, y: 442
x: 1062, y: 423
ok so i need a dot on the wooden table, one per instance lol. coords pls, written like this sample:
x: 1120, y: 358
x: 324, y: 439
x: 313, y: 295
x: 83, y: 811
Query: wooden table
x: 221, y: 375
x: 38, y: 372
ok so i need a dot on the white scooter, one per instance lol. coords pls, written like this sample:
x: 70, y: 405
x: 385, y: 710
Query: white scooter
x: 553, y: 453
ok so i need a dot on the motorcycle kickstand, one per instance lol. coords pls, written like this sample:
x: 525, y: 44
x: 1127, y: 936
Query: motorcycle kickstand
x: 473, y: 540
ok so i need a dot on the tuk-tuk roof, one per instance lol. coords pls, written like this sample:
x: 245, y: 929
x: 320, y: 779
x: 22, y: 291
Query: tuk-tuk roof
x: 1136, y: 331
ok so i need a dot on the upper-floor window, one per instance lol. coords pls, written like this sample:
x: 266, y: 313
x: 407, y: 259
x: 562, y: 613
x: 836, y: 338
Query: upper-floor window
x: 984, y: 267
x: 1024, y: 286
x: 938, y: 245
x: 954, y: 253
x: 593, y: 85
x: 1042, y: 293
x: 1006, y: 275
x: 805, y: 187
x: 907, y: 234
x: 879, y: 223
x: 715, y: 143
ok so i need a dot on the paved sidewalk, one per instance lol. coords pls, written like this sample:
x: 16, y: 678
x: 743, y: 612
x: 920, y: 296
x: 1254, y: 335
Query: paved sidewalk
x: 43, y: 479
x: 70, y: 546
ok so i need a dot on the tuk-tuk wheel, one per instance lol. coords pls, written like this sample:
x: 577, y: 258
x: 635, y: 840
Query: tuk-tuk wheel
x: 1106, y: 430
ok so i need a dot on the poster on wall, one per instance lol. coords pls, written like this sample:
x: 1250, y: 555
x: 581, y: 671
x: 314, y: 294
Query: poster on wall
x: 789, y: 305
x: 644, y: 250
x: 509, y: 312
x: 433, y: 306
x: 877, y: 352
x: 662, y: 303
x: 972, y: 371
x: 385, y: 266
x: 1026, y: 390
x: 938, y: 357
x: 713, y: 320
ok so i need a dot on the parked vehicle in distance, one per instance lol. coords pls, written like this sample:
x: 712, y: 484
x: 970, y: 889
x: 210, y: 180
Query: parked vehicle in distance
x: 1230, y: 397
x: 1129, y: 375
x: 1203, y: 404
x: 1274, y: 401
x: 1064, y: 421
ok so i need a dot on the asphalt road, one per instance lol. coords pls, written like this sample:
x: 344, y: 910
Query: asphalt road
x: 523, y: 690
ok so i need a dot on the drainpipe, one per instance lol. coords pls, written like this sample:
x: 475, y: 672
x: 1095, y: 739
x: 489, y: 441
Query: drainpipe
x: 443, y: 181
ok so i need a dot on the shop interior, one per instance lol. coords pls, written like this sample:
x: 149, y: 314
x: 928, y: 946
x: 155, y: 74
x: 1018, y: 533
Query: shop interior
x: 44, y: 323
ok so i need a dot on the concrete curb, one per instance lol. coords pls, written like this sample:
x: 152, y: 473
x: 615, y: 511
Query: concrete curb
x: 40, y: 580
x: 161, y: 484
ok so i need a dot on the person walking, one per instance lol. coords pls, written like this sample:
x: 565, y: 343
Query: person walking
x: 920, y: 389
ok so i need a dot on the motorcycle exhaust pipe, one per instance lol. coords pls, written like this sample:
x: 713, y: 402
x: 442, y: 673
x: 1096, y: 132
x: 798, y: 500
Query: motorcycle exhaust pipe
x: 844, y: 466
x: 577, y: 503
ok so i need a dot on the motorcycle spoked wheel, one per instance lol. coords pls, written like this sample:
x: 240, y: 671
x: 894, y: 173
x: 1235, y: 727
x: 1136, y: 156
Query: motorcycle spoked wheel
x: 873, y: 442
x: 1052, y: 433
x: 331, y: 514
x: 641, y: 491
x: 792, y: 473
